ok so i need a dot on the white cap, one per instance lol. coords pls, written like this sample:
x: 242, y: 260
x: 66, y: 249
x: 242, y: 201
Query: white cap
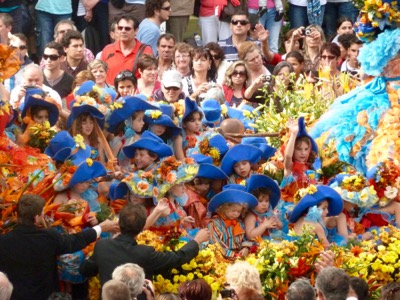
x: 172, y: 78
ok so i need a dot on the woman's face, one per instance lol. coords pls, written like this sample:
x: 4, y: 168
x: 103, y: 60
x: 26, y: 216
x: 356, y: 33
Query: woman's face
x: 149, y: 75
x: 283, y: 76
x: 313, y: 39
x: 254, y: 60
x: 201, y: 64
x: 137, y: 122
x: 87, y: 126
x: 296, y: 46
x: 182, y: 60
x: 99, y: 75
x: 329, y: 60
x: 41, y: 116
x: 239, y: 75
x: 125, y: 87
x: 216, y: 58
x: 297, y: 67
x: 345, y: 27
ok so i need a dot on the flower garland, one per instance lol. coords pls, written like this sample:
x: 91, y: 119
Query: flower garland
x: 301, y: 193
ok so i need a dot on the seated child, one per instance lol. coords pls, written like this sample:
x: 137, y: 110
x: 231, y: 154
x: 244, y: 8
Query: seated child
x: 266, y: 149
x: 226, y: 226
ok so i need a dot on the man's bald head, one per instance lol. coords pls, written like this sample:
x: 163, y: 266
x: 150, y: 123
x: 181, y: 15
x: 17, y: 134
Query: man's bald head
x: 232, y: 126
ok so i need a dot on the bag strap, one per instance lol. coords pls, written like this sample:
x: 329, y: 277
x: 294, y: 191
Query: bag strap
x: 138, y: 55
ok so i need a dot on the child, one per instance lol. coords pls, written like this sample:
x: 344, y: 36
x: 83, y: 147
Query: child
x: 351, y: 64
x: 260, y: 220
x: 300, y: 153
x: 315, y: 204
x: 266, y: 149
x: 238, y: 160
x: 226, y: 226
x: 125, y: 84
x: 191, y: 124
x: 147, y: 151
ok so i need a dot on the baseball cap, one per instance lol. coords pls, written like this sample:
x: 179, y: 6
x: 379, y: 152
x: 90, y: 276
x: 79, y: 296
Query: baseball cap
x: 172, y: 78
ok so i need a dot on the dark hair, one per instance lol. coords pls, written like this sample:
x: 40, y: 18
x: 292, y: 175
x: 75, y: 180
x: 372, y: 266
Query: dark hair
x: 249, y: 293
x: 152, y: 5
x: 146, y: 61
x: 76, y: 128
x: 132, y: 219
x: 197, y: 289
x: 261, y: 191
x: 190, y: 117
x: 331, y: 48
x: 121, y: 126
x: 240, y: 13
x: 28, y: 207
x: 128, y: 17
x: 307, y: 140
x: 360, y: 287
x: 22, y: 37
x: 56, y: 46
x: 297, y: 55
x: 300, y: 289
x: 71, y: 35
x: 125, y: 75
x: 35, y: 109
x: 341, y: 20
x: 390, y: 291
x: 216, y: 48
x: 203, y: 52
x: 333, y: 283
x: 167, y: 36
x: 151, y: 153
x: 345, y: 40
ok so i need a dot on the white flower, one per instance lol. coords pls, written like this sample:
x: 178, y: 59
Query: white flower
x: 364, y: 195
x: 390, y: 192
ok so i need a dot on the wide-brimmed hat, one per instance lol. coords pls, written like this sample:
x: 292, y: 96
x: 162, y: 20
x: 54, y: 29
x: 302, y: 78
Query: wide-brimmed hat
x: 172, y: 78
x: 32, y: 100
x: 190, y: 106
x: 156, y: 117
x: 256, y: 181
x: 118, y: 190
x: 239, y: 153
x: 139, y: 183
x: 211, y: 144
x: 303, y: 132
x: 85, y: 108
x: 151, y: 142
x: 207, y: 169
x: 86, y: 171
x: 64, y: 147
x: 262, y: 144
x: 37, y: 92
x: 129, y: 105
x: 212, y: 110
x: 242, y: 114
x: 232, y: 193
x: 320, y: 194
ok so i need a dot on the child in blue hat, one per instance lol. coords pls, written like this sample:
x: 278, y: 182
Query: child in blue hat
x: 191, y: 124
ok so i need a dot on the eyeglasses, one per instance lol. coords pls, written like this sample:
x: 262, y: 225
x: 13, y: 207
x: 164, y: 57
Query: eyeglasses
x: 240, y: 73
x: 120, y: 28
x: 167, y: 8
x: 182, y: 56
x: 52, y: 57
x: 23, y: 47
x: 216, y: 56
x: 241, y: 22
x: 63, y: 31
x: 328, y: 57
x: 123, y: 75
x: 174, y: 88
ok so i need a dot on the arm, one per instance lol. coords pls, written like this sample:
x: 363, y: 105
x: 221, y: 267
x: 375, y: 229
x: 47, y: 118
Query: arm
x: 297, y: 34
x: 252, y: 90
x: 321, y: 234
x: 161, y: 209
x: 89, y: 4
x: 250, y: 225
x: 178, y: 150
x: 263, y: 35
x: 288, y: 163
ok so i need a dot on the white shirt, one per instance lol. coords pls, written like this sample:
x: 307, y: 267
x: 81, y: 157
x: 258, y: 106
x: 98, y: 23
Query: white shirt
x: 14, y: 96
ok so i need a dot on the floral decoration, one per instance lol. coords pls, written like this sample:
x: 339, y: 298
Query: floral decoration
x: 41, y: 134
x: 301, y: 193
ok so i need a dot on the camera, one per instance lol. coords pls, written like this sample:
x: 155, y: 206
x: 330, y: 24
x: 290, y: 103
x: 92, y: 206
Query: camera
x: 307, y: 32
x: 266, y: 78
x: 29, y: 87
x: 228, y: 293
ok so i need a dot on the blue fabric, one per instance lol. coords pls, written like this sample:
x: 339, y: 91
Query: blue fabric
x: 230, y: 50
x: 274, y: 28
x: 149, y: 33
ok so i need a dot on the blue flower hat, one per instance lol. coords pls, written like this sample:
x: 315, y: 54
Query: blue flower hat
x: 243, y: 114
x: 190, y: 106
x: 157, y: 117
x: 239, y: 153
x: 256, y: 181
x: 232, y: 193
x: 212, y: 112
x: 261, y: 143
x: 207, y: 169
x: 139, y: 183
x: 76, y: 110
x: 34, y: 100
x: 303, y: 132
x: 211, y: 144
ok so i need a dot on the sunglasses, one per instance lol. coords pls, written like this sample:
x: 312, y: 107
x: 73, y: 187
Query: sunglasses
x: 328, y: 57
x: 241, y: 22
x: 52, y: 57
x: 123, y: 75
x: 216, y: 57
x: 23, y: 47
x: 167, y: 8
x: 240, y: 73
x: 120, y: 28
x: 174, y: 88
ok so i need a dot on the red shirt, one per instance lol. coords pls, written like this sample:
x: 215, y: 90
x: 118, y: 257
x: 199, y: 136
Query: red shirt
x: 117, y: 61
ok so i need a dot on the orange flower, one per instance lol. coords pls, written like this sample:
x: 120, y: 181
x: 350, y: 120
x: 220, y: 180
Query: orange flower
x: 142, y: 186
x: 171, y: 177
x: 155, y: 191
x: 356, y: 251
x: 9, y: 61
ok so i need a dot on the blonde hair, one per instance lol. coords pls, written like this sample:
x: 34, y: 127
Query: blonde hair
x: 247, y: 47
x: 241, y: 274
x: 321, y: 32
x: 97, y: 63
x: 223, y: 208
x: 231, y: 69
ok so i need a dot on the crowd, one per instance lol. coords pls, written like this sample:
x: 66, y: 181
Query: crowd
x: 121, y: 126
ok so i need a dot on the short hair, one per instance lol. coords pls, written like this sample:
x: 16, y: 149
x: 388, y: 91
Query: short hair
x: 240, y: 13
x: 82, y: 77
x: 297, y: 55
x: 345, y: 40
x: 300, y: 289
x: 248, y: 293
x: 183, y: 48
x: 197, y: 289
x: 71, y: 35
x: 28, y: 207
x: 241, y: 274
x: 331, y: 48
x: 213, y: 46
x: 56, y: 46
x: 146, y: 61
x: 132, y: 275
x: 167, y: 36
x: 152, y: 5
x: 390, y: 291
x: 215, y: 93
x: 7, y: 19
x: 6, y: 287
x: 132, y: 219
x: 247, y: 47
x: 115, y: 290
x: 360, y: 287
x: 231, y: 69
x: 94, y: 64
x: 22, y: 37
x: 333, y: 283
x: 168, y: 296
x: 69, y: 22
x: 128, y: 17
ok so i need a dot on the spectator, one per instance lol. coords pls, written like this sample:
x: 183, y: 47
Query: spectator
x: 99, y: 69
x: 73, y: 47
x: 302, y: 14
x: 148, y: 82
x: 344, y: 45
x: 165, y: 48
x: 330, y: 54
x: 343, y: 26
x: 132, y: 276
x: 358, y: 288
x: 14, y: 9
x: 290, y: 43
x: 157, y: 12
x: 6, y: 287
x: 235, y: 83
x: 183, y: 58
x: 115, y: 290
x: 110, y: 253
x: 179, y: 18
x: 125, y: 51
x: 390, y: 291
x: 125, y: 84
x: 296, y: 59
x: 28, y: 255
x: 338, y: 11
x: 243, y: 275
x: 6, y: 25
x: 197, y: 289
x: 54, y: 76
x: 300, y: 289
x: 332, y: 284
x: 218, y: 57
x: 351, y: 64
x: 171, y: 88
x: 247, y: 293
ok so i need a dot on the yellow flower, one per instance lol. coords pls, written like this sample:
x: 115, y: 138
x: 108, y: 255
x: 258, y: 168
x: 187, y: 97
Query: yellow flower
x: 191, y: 170
x: 80, y: 141
x: 214, y: 153
x: 372, y: 190
x: 350, y: 195
x: 190, y: 276
x: 89, y: 161
x: 155, y: 114
x: 224, y: 109
x: 215, y: 286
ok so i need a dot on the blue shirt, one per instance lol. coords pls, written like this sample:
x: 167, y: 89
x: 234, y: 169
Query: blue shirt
x: 230, y: 50
x: 148, y: 33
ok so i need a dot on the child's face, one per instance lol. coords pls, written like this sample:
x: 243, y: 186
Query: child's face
x: 142, y: 159
x: 137, y: 122
x: 263, y: 204
x: 125, y: 87
x: 178, y: 190
x: 324, y: 207
x: 80, y: 188
x: 201, y: 185
x: 136, y: 200
x: 193, y: 126
x: 87, y: 126
x: 301, y: 152
x: 158, y: 130
x: 354, y: 50
x: 242, y: 168
x: 234, y: 212
x: 41, y: 116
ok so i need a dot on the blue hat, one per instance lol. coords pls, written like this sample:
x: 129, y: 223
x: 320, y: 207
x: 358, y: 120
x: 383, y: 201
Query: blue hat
x: 130, y: 105
x: 85, y: 88
x: 212, y: 110
x: 31, y: 92
x: 152, y: 117
x: 240, y: 114
x: 87, y: 171
x: 261, y: 181
x: 310, y: 200
x: 31, y: 101
x: 150, y: 142
x: 166, y: 109
x: 190, y: 106
x: 211, y: 172
x: 232, y: 193
x: 303, y: 132
x: 202, y: 159
x: 63, y: 147
x: 85, y: 108
x: 260, y: 143
x: 239, y: 153
x: 13, y: 116
x: 118, y: 190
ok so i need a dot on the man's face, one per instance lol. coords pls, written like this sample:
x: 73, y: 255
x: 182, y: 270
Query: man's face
x: 165, y: 49
x: 353, y: 51
x: 4, y: 30
x: 165, y: 11
x: 125, y: 30
x: 61, y: 31
x: 33, y: 77
x: 240, y: 25
x: 75, y: 49
x: 51, y: 58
